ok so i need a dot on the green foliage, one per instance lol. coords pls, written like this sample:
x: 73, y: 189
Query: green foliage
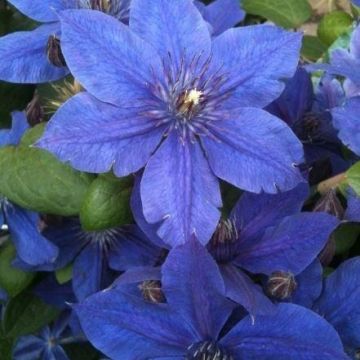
x: 345, y: 237
x: 286, y: 13
x: 11, y: 279
x: 26, y: 314
x: 353, y: 177
x: 36, y: 180
x: 312, y: 48
x: 64, y: 275
x: 333, y: 25
x: 106, y: 204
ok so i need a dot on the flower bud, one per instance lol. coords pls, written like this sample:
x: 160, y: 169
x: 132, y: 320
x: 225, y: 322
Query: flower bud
x: 328, y: 252
x: 54, y: 52
x: 281, y: 285
x: 330, y: 204
x: 151, y: 291
x: 34, y: 111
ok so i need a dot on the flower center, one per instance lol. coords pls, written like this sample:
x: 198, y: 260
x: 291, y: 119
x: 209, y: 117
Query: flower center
x: 116, y: 8
x: 281, y: 285
x: 188, y: 102
x: 307, y: 128
x: 223, y: 244
x: 207, y: 350
x: 151, y: 291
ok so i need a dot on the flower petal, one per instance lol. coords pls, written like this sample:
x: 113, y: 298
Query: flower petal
x: 254, y: 213
x: 255, y: 73
x: 133, y: 249
x: 109, y: 60
x: 291, y: 246
x: 223, y: 15
x: 24, y: 59
x: 346, y: 120
x: 172, y: 27
x: 199, y: 299
x: 31, y: 246
x: 254, y: 151
x: 241, y: 289
x: 339, y: 302
x: 125, y: 327
x: 19, y: 126
x: 94, y: 136
x: 43, y: 11
x: 179, y: 189
x: 293, y: 332
x: 352, y: 212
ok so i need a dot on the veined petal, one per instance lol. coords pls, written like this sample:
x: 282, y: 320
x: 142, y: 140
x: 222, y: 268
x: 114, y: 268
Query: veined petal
x: 254, y: 151
x: 179, y: 189
x: 222, y: 15
x: 339, y: 302
x: 255, y: 73
x: 255, y: 213
x: 346, y: 120
x: 43, y: 10
x: 31, y: 246
x: 109, y: 60
x: 94, y: 136
x: 24, y: 59
x: 125, y: 327
x: 173, y: 27
x: 194, y: 288
x: 291, y: 246
x: 293, y: 332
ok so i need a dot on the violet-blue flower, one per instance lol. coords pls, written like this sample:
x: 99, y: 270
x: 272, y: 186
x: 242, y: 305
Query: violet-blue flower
x: 23, y: 224
x: 36, y: 57
x: 264, y: 233
x: 163, y: 93
x: 189, y: 325
x: 307, y: 111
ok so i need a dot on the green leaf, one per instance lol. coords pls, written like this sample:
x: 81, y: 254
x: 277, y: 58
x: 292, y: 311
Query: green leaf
x: 353, y: 177
x: 13, y: 97
x: 312, y: 48
x: 6, y: 346
x: 11, y: 279
x: 106, y: 203
x: 286, y: 13
x: 333, y: 25
x: 32, y: 135
x: 36, y: 180
x: 345, y: 237
x: 26, y: 314
x: 64, y: 274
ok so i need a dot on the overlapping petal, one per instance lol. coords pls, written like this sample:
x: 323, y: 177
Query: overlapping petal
x: 95, y: 136
x: 291, y: 246
x: 255, y: 73
x: 179, y: 189
x: 14, y: 135
x: 254, y: 151
x: 24, y: 59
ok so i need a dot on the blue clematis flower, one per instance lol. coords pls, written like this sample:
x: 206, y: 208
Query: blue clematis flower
x: 47, y: 344
x: 36, y: 57
x: 264, y: 234
x: 97, y: 256
x: 346, y: 121
x: 307, y: 112
x: 186, y: 105
x: 23, y: 225
x: 125, y: 326
x: 356, y: 2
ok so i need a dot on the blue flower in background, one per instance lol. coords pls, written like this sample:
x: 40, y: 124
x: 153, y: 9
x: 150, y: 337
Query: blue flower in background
x: 264, y: 234
x: 35, y: 56
x: 307, y: 111
x: 97, y: 256
x: 125, y: 326
x: 47, y: 344
x: 186, y: 105
x: 23, y: 224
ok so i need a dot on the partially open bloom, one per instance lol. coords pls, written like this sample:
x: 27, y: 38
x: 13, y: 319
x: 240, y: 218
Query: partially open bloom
x: 163, y: 93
